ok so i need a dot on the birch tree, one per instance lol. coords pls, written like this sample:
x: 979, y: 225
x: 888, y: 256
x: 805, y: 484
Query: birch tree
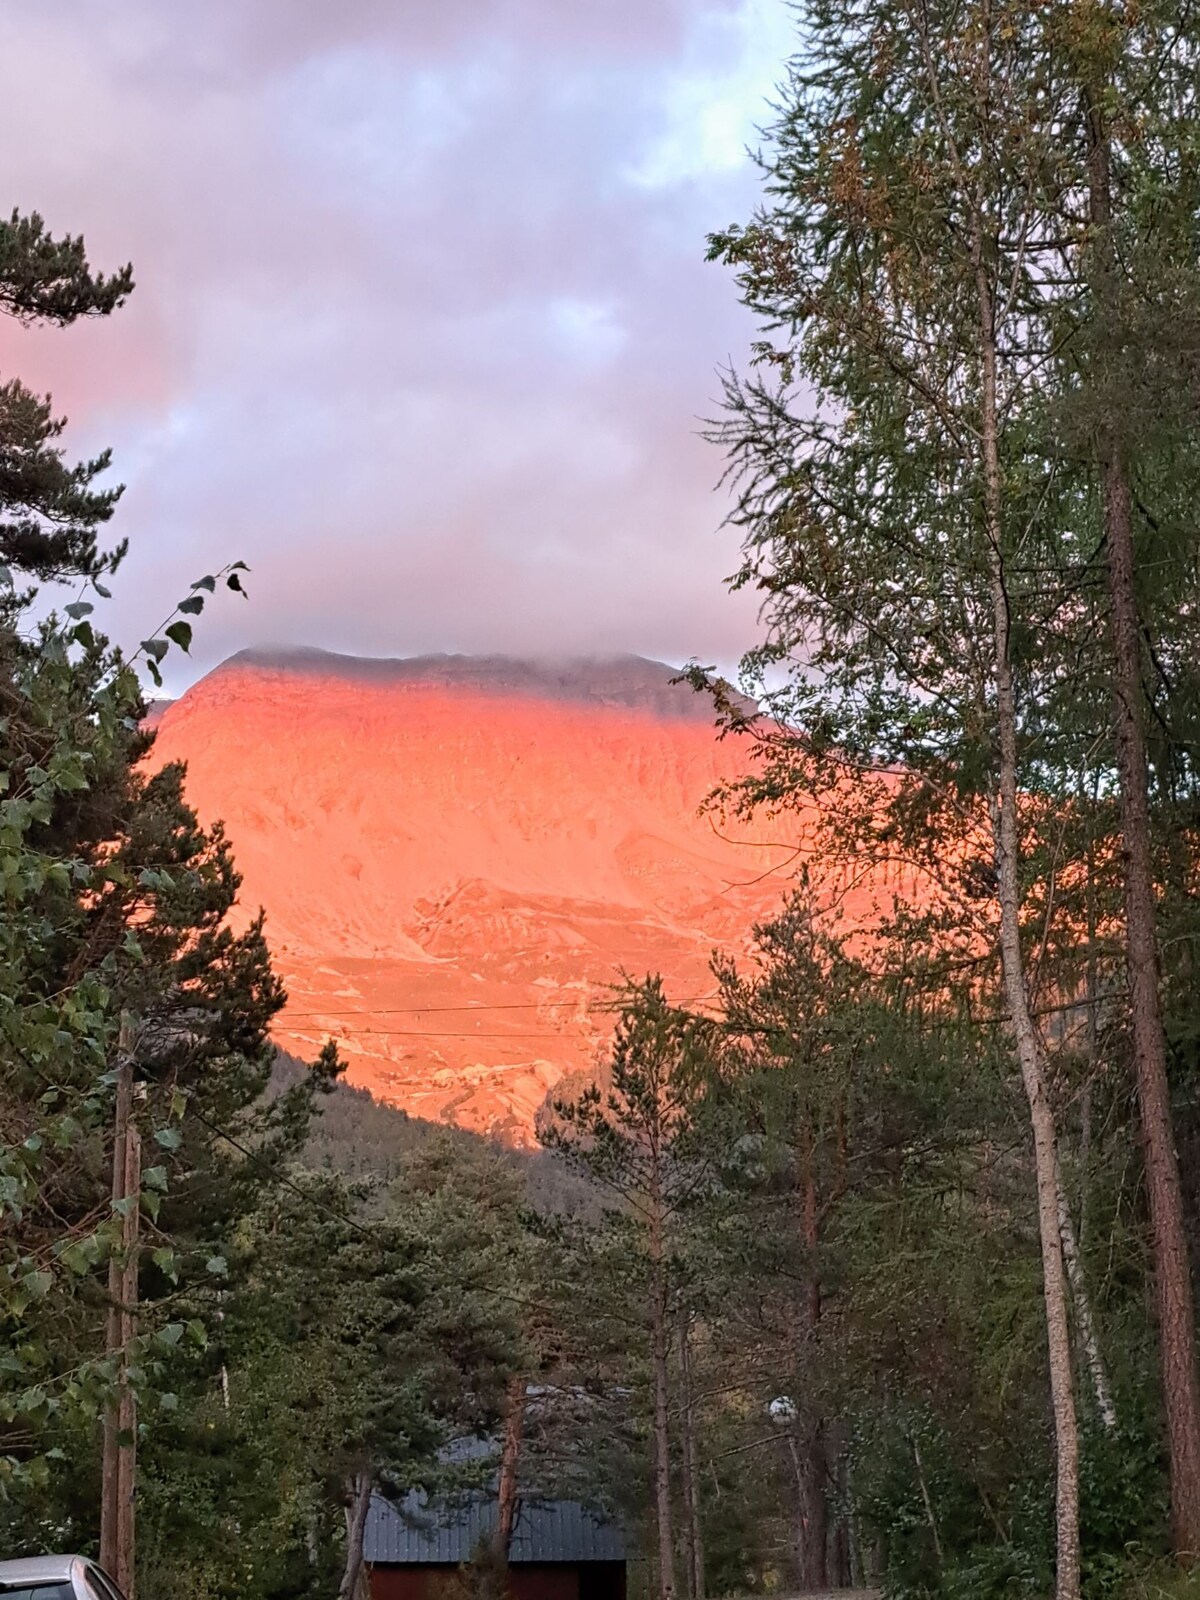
x: 898, y: 510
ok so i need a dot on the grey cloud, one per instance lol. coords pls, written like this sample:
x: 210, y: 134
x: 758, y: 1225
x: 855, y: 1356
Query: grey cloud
x: 406, y: 337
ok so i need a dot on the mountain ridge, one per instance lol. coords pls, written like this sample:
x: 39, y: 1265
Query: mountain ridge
x: 458, y: 857
x: 619, y: 679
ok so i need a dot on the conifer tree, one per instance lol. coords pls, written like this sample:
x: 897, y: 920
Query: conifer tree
x: 115, y: 925
x: 639, y: 1139
x: 50, y: 512
x: 1129, y: 334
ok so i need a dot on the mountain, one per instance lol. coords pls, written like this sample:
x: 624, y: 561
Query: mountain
x: 459, y: 855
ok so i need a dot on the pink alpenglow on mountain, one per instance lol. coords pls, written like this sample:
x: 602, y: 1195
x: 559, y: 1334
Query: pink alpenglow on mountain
x: 459, y: 856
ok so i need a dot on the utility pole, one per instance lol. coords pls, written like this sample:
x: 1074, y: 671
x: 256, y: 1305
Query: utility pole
x: 120, y: 1423
x: 691, y: 1462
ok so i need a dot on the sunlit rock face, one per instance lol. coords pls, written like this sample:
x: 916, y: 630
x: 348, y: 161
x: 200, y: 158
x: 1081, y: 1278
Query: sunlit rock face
x: 458, y: 856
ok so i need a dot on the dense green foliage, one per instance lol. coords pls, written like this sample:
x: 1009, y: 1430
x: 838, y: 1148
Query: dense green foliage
x: 294, y: 1330
x: 976, y: 273
x: 780, y: 1287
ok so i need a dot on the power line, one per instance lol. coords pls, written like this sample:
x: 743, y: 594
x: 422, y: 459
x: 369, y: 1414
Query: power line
x: 306, y: 1195
x: 318, y: 1204
x: 420, y: 1010
x: 380, y: 1011
x: 428, y: 1032
x: 446, y: 1033
x: 486, y: 1005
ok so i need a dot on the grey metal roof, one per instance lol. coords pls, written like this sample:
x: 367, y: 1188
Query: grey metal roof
x: 38, y: 1569
x: 449, y: 1531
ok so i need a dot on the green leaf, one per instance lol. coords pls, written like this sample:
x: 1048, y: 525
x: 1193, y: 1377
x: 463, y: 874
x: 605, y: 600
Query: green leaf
x: 156, y: 649
x: 171, y: 1334
x: 78, y: 609
x: 192, y: 606
x: 65, y: 1131
x: 155, y: 878
x: 76, y: 1258
x: 180, y: 633
x: 208, y: 582
x: 217, y: 1265
x: 167, y: 1262
x: 168, y: 1138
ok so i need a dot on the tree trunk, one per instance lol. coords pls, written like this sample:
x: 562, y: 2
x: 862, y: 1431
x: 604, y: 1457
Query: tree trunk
x: 1028, y: 1046
x: 691, y: 1464
x: 356, y: 1522
x: 510, y: 1457
x: 1172, y: 1271
x: 930, y: 1513
x: 840, y: 1562
x: 119, y: 1467
x: 806, y: 1449
x: 837, y: 1562
x: 1074, y: 1238
x: 858, y: 1577
x: 115, y: 1335
x: 1089, y: 1339
x: 660, y: 1342
x: 812, y: 1512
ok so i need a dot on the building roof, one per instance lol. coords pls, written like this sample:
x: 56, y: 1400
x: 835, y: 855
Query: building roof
x: 38, y: 1569
x: 449, y: 1531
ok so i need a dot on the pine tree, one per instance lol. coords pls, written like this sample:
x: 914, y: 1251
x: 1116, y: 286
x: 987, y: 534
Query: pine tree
x: 117, y: 948
x: 637, y: 1138
x: 50, y: 512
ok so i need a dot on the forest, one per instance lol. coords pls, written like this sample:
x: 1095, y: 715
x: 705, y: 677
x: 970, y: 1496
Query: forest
x: 876, y: 1271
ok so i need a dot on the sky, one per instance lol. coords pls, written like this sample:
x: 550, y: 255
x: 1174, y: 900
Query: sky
x: 423, y: 330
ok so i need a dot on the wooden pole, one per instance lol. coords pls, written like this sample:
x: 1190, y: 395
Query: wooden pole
x: 119, y: 1474
x: 691, y: 1462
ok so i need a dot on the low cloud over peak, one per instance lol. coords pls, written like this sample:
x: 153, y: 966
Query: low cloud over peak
x: 422, y: 329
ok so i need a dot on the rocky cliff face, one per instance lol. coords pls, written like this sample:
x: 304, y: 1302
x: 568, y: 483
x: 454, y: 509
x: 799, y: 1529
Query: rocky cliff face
x: 458, y: 856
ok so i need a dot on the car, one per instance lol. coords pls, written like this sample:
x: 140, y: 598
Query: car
x: 56, y: 1578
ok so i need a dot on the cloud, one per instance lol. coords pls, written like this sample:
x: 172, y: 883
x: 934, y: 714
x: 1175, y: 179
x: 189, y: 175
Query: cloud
x: 716, y: 98
x: 422, y: 328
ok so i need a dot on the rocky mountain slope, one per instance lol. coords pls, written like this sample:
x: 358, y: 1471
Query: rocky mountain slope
x: 458, y: 856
